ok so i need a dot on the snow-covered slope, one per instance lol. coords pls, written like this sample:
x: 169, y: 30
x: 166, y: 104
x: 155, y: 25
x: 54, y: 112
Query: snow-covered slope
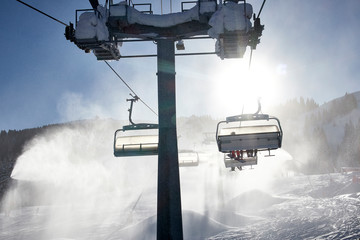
x: 308, y: 207
x: 317, y: 208
x: 335, y: 127
x: 324, y: 138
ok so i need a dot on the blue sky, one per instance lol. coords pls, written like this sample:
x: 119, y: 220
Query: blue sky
x: 308, y: 48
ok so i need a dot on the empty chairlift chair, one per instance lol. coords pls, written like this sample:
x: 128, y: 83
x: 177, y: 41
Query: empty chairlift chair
x: 136, y: 140
x: 188, y: 158
x: 241, y: 137
x: 140, y: 139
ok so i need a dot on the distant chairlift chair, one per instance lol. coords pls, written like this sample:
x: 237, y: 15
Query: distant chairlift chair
x: 136, y: 139
x: 188, y: 158
x: 240, y: 144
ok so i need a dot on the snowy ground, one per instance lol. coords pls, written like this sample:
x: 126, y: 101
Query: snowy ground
x: 314, y: 207
x: 116, y: 199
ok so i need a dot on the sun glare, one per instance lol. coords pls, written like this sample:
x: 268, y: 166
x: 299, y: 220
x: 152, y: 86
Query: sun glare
x: 239, y: 87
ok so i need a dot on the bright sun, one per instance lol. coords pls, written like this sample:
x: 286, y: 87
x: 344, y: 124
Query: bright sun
x: 237, y: 88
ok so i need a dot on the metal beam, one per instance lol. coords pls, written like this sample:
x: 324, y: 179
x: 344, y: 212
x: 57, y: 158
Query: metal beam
x: 177, y: 54
x: 169, y: 216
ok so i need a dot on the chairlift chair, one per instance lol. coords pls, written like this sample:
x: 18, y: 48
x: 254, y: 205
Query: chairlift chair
x: 241, y: 143
x: 134, y: 140
x: 139, y: 139
x: 188, y: 158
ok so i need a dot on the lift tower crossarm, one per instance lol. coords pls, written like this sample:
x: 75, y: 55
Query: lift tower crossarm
x: 121, y: 22
x: 183, y: 30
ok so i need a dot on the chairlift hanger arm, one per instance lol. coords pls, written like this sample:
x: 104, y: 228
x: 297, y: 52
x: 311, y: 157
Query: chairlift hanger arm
x: 136, y: 126
x: 132, y: 100
x: 259, y: 106
x: 278, y: 121
x: 249, y: 117
x: 130, y: 110
x: 217, y: 132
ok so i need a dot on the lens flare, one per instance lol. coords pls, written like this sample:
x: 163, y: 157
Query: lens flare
x: 235, y: 88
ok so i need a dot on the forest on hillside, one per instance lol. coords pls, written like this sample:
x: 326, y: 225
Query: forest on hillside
x: 12, y: 143
x: 324, y: 138
x: 11, y: 146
